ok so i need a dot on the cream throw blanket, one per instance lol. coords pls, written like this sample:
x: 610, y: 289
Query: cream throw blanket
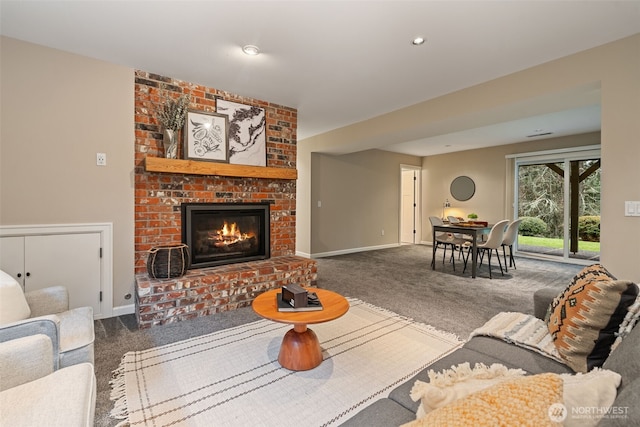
x: 523, y: 330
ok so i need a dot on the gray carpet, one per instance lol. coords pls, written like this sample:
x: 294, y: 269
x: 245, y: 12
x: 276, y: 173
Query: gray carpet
x: 399, y: 279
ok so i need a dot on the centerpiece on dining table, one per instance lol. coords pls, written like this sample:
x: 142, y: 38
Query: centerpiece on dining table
x: 473, y: 220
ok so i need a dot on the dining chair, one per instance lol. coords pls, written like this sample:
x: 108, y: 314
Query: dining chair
x: 466, y: 239
x: 493, y: 242
x: 445, y: 239
x: 509, y: 239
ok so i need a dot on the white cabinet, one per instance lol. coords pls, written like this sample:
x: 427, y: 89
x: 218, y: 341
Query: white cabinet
x: 70, y: 257
x: 12, y: 257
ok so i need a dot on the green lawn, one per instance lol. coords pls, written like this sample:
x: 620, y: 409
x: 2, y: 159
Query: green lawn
x: 556, y: 243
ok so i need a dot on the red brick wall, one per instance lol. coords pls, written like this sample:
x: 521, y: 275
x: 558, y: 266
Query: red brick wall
x: 158, y: 195
x: 204, y: 292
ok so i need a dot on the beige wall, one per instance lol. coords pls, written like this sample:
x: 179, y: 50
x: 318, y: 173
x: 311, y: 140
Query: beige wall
x: 492, y: 174
x: 614, y: 68
x: 57, y: 111
x: 360, y: 198
x: 303, y: 200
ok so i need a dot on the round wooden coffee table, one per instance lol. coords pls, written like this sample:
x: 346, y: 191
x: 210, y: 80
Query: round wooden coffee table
x: 300, y: 349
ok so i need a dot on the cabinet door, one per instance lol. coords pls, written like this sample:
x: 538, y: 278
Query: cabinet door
x: 71, y: 260
x: 12, y: 257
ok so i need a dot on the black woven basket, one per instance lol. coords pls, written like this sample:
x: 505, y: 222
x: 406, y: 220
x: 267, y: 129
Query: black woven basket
x: 166, y: 262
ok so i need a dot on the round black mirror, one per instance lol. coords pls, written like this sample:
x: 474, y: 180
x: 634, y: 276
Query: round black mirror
x: 463, y: 188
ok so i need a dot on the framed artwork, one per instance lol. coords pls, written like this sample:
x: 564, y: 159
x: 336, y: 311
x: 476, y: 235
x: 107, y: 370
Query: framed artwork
x: 247, y: 133
x: 205, y: 136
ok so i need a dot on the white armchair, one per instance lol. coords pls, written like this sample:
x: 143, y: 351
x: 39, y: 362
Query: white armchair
x: 46, y: 311
x: 33, y: 394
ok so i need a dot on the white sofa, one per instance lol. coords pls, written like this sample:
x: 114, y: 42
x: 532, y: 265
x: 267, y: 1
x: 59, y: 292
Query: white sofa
x: 32, y: 393
x: 46, y: 311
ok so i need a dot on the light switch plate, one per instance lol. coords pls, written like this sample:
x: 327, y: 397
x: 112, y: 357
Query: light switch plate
x: 631, y: 208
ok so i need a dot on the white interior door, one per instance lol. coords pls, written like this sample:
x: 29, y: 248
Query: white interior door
x: 409, y: 195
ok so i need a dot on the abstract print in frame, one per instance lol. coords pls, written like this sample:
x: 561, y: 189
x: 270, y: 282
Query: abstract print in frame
x: 247, y: 133
x: 206, y: 136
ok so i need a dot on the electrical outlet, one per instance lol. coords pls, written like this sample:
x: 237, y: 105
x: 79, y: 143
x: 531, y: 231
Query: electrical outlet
x: 101, y: 159
x: 382, y: 232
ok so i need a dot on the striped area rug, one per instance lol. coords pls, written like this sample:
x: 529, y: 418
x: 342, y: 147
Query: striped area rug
x: 232, y: 377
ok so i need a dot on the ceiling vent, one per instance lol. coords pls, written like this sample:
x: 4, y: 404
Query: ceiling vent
x: 539, y: 134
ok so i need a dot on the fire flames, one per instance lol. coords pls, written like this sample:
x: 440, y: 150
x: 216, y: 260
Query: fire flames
x: 228, y: 235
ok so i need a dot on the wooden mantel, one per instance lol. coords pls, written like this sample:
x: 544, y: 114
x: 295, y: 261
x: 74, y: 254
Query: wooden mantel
x: 193, y: 167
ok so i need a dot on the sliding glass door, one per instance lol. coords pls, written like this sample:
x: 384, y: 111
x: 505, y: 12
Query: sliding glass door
x: 558, y: 198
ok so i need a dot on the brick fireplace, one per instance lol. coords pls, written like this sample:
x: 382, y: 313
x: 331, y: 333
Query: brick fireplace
x: 159, y: 196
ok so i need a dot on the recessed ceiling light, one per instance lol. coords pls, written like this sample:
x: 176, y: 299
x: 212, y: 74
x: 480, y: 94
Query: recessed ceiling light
x: 418, y: 41
x: 251, y: 50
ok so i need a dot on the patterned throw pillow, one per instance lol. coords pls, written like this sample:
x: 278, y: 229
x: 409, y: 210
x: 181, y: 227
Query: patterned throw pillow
x: 584, y: 318
x: 595, y: 389
x: 458, y: 382
x: 630, y: 320
x: 525, y: 401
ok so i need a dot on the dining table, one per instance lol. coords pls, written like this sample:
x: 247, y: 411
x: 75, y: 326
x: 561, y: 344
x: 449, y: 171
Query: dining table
x: 471, y: 229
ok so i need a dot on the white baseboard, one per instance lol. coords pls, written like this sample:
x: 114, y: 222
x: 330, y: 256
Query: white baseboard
x: 354, y: 250
x: 124, y: 309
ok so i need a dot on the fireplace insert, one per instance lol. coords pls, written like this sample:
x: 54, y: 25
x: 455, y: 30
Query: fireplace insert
x: 225, y: 233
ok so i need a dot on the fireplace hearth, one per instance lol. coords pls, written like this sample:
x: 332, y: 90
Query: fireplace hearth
x: 225, y: 233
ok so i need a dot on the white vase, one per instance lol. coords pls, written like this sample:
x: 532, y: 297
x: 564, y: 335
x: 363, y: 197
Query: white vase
x: 170, y: 142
